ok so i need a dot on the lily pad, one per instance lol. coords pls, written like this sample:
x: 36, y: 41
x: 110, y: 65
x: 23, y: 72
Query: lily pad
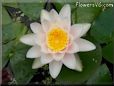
x: 103, y: 26
x: 90, y: 60
x: 87, y: 14
x: 14, y: 4
x: 6, y: 53
x: 108, y: 53
x: 101, y: 76
x: 10, y: 36
x: 32, y: 10
x: 12, y: 31
x: 5, y: 17
x: 21, y: 66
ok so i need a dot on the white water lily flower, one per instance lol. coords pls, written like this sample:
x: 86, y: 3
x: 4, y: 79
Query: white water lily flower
x: 55, y: 41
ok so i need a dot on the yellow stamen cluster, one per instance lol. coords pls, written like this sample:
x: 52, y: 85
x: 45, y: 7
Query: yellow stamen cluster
x: 57, y: 39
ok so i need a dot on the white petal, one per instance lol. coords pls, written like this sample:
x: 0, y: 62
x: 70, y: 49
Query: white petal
x: 55, y: 68
x: 28, y: 39
x: 45, y: 20
x: 78, y: 30
x: 54, y: 15
x: 37, y: 63
x: 46, y: 25
x: 46, y: 58
x: 45, y: 15
x: 85, y: 45
x: 58, y: 56
x: 65, y: 14
x: 40, y: 38
x: 73, y: 48
x: 73, y: 62
x: 34, y: 52
x: 36, y: 27
x: 44, y: 48
x: 57, y: 21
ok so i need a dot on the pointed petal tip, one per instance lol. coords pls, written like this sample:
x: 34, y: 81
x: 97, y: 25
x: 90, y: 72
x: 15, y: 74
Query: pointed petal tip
x: 67, y: 5
x: 94, y: 47
x: 85, y: 45
x: 52, y: 10
x: 80, y: 69
x: 28, y: 39
x: 88, y: 25
x: 53, y: 76
x: 55, y: 68
x: 34, y: 66
x: 21, y: 39
x: 34, y: 23
x: 44, y: 15
x: 35, y: 26
x: 43, y: 11
x: 27, y: 55
x: 30, y: 57
x: 34, y: 52
x: 37, y: 64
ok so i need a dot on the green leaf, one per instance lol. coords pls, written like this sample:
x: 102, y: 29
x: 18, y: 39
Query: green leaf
x: 21, y: 66
x: 32, y: 10
x: 5, y: 17
x: 16, y: 52
x: 103, y: 26
x: 12, y: 31
x: 87, y: 14
x: 108, y: 52
x: 14, y: 4
x: 101, y: 76
x: 10, y: 37
x: 90, y: 60
x: 6, y: 52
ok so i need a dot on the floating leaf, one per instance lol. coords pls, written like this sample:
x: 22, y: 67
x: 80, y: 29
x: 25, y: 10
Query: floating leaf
x: 108, y: 52
x: 103, y: 26
x: 87, y: 14
x: 5, y: 17
x: 101, y: 76
x: 12, y: 31
x: 6, y: 52
x: 14, y: 4
x: 21, y: 66
x: 10, y: 34
x: 32, y: 10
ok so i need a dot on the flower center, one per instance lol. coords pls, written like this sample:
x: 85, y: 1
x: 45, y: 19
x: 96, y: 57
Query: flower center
x: 57, y: 39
